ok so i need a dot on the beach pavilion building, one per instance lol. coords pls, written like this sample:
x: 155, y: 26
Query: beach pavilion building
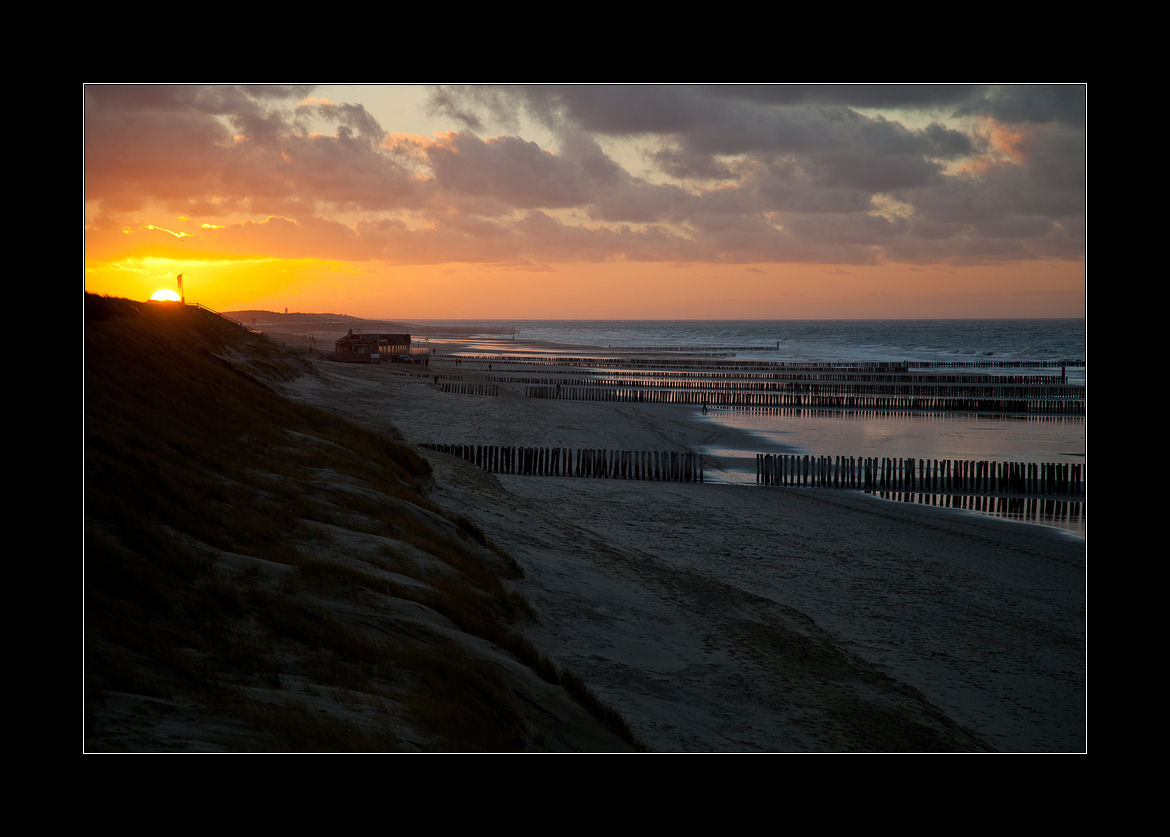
x: 371, y: 348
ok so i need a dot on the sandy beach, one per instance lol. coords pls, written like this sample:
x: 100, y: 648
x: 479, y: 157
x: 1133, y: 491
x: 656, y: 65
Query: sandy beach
x: 695, y: 609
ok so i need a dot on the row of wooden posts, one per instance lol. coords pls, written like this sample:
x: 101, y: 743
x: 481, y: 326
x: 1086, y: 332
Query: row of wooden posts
x: 470, y: 389
x: 739, y: 389
x: 611, y: 360
x: 683, y: 362
x: 1054, y: 390
x: 876, y: 474
x: 789, y: 380
x: 697, y: 349
x: 662, y: 466
x: 869, y: 412
x: 996, y: 364
x: 1048, y: 401
x: 871, y: 473
x: 721, y: 398
x: 404, y: 371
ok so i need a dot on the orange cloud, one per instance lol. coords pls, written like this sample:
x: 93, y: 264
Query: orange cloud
x: 1004, y: 146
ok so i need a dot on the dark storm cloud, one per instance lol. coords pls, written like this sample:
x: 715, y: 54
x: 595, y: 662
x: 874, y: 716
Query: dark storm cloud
x: 1006, y: 188
x: 698, y: 127
x: 517, y: 173
x: 718, y: 119
x: 853, y: 95
x: 513, y: 171
x: 863, y: 172
x: 1030, y: 103
x: 821, y: 159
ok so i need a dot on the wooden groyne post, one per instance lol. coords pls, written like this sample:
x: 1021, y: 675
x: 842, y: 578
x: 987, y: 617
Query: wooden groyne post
x: 661, y: 466
x: 871, y: 473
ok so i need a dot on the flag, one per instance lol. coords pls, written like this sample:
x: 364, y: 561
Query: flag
x: 180, y: 283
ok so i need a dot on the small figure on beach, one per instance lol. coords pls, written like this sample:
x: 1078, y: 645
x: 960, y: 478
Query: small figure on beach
x: 704, y: 407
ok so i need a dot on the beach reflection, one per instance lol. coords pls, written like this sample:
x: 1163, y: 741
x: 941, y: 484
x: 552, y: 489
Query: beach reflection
x: 1068, y: 515
x: 903, y: 435
x: 938, y: 436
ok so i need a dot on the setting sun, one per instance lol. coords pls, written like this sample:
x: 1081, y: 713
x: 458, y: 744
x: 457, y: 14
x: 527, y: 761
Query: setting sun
x: 165, y: 295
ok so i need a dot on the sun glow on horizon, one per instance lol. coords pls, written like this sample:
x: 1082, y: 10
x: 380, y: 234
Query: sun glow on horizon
x: 606, y: 291
x: 165, y: 295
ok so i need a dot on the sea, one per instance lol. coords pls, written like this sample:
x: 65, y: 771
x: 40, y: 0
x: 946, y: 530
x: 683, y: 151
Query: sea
x: 1055, y: 346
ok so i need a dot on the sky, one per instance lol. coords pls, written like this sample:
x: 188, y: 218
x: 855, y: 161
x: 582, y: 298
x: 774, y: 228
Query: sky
x: 769, y: 201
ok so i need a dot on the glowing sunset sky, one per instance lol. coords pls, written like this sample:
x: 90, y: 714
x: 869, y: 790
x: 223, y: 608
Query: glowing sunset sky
x: 629, y: 201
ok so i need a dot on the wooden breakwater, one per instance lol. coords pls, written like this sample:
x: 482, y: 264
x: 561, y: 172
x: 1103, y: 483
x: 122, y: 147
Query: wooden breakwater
x: 661, y: 466
x: 404, y: 371
x: 812, y: 381
x: 716, y: 363
x: 727, y: 398
x: 1017, y: 390
x: 698, y: 348
x: 470, y: 389
x: 997, y: 364
x: 953, y: 476
x: 609, y: 361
